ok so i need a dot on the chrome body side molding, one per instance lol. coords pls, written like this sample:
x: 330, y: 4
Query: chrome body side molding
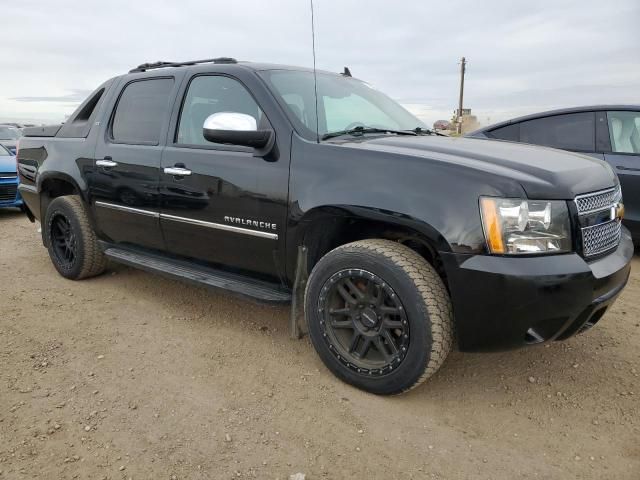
x: 221, y: 226
x: 191, y: 221
x: 123, y: 208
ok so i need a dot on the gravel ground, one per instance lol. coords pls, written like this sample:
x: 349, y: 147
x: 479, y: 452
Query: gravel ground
x: 129, y: 375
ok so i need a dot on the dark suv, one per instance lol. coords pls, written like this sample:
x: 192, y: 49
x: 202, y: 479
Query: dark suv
x: 606, y: 132
x: 390, y: 242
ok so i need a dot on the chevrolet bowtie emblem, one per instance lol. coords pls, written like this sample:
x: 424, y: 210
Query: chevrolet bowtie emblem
x: 617, y: 212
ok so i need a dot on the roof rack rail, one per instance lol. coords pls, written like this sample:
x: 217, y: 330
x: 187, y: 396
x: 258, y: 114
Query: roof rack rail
x: 150, y: 66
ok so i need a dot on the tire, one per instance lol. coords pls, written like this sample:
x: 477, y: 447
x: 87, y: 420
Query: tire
x: 66, y: 217
x: 409, y: 311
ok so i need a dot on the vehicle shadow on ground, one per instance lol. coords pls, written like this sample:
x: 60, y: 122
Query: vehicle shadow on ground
x: 467, y: 373
x: 10, y: 213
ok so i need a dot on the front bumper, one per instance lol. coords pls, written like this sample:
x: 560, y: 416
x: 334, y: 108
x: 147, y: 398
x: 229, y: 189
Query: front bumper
x: 9, y: 194
x: 634, y: 229
x: 501, y: 303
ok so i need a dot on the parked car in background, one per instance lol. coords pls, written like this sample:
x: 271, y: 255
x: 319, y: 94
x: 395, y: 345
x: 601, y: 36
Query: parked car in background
x: 607, y: 132
x: 9, y: 136
x: 9, y: 195
x: 442, y: 125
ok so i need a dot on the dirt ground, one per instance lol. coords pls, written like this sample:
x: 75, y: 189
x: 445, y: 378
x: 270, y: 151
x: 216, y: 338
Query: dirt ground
x: 129, y: 375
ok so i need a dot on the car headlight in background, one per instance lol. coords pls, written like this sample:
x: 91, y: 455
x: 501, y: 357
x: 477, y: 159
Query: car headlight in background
x: 516, y: 226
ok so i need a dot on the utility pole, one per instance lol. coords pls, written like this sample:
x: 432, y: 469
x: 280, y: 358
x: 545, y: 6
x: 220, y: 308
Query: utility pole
x: 463, y: 64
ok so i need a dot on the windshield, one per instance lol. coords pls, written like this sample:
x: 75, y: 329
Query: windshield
x: 343, y: 103
x: 9, y: 133
x: 4, y: 152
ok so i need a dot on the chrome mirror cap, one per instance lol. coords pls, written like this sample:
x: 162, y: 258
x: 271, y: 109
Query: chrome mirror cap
x: 231, y: 121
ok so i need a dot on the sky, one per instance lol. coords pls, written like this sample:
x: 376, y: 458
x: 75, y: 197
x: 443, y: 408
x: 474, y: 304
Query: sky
x: 522, y: 57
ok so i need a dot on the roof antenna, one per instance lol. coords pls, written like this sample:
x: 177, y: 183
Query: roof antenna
x: 347, y: 72
x: 315, y: 76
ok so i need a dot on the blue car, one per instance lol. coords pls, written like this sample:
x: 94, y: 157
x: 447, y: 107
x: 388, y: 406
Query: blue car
x: 9, y: 195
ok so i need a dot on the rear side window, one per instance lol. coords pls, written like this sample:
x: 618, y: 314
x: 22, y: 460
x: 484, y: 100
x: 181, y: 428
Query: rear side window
x: 87, y: 109
x: 510, y: 132
x: 142, y: 109
x: 574, y: 131
x: 80, y: 122
x: 624, y: 131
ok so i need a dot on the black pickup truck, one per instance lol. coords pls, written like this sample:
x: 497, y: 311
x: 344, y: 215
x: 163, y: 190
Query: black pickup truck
x: 391, y: 242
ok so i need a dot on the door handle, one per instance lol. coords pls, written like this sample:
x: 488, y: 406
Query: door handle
x: 177, y: 171
x: 106, y: 162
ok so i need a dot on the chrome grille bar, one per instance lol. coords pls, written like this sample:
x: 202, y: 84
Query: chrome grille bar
x: 596, y: 201
x: 605, y: 236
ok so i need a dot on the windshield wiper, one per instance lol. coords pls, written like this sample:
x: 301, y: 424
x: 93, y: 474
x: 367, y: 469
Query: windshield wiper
x: 426, y: 131
x: 361, y: 130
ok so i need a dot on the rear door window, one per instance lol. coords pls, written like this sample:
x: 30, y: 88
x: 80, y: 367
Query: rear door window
x: 142, y: 109
x: 573, y: 131
x: 624, y: 132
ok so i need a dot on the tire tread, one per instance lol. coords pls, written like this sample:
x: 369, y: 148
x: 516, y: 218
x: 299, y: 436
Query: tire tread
x: 94, y: 261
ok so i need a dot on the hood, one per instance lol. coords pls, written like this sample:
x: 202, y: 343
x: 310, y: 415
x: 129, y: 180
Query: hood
x: 543, y: 173
x: 7, y: 164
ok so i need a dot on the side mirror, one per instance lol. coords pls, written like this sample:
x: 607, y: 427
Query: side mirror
x: 235, y: 129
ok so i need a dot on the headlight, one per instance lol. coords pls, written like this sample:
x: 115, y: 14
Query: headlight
x: 515, y: 226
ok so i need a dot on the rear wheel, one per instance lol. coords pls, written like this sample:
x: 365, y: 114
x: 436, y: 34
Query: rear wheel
x: 379, y: 316
x: 72, y: 243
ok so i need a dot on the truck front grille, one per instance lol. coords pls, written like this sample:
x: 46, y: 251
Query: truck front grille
x: 593, y: 202
x: 604, y: 236
x: 601, y: 238
x: 8, y: 192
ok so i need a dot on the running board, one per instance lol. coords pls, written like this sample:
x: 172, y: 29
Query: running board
x: 217, y: 279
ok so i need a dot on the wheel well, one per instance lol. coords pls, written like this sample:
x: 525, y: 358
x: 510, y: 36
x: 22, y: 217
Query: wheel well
x: 53, y: 188
x: 329, y: 232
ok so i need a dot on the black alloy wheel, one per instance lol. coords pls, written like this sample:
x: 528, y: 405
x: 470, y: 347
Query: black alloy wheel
x: 379, y: 315
x: 364, y: 322
x: 63, y: 241
x: 69, y: 237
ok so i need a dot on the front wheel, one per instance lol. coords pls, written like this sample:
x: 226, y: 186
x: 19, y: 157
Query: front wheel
x: 72, y: 243
x: 379, y: 316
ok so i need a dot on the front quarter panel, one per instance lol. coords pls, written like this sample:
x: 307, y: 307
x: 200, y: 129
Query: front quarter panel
x: 437, y: 199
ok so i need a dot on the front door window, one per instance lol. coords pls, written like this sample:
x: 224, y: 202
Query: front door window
x: 208, y: 95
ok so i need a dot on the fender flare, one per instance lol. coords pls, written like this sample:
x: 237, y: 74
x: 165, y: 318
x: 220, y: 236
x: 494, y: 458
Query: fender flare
x: 370, y: 214
x: 45, y: 176
x: 323, y: 228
